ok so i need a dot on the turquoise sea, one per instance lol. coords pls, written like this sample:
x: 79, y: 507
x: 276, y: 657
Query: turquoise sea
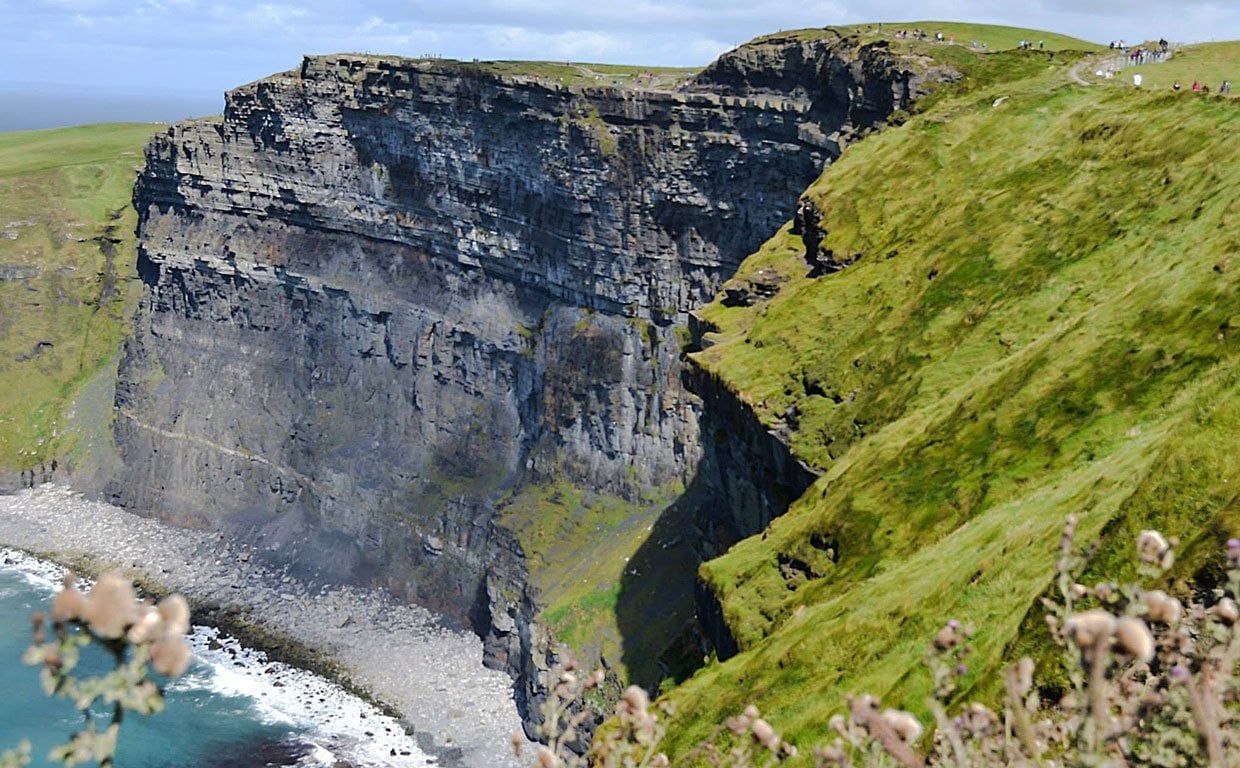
x: 233, y: 709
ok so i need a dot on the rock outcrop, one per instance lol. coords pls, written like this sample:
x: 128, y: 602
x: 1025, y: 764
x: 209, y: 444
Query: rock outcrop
x: 381, y: 293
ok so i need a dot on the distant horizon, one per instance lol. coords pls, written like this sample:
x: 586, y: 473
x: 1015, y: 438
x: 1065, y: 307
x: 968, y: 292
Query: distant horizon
x: 27, y: 103
x: 27, y: 106
x: 199, y: 50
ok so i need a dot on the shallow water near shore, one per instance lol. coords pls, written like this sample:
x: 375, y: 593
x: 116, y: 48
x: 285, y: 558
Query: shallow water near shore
x: 233, y: 707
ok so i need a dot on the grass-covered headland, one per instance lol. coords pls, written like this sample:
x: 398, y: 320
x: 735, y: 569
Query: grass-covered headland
x: 1038, y: 316
x: 66, y: 260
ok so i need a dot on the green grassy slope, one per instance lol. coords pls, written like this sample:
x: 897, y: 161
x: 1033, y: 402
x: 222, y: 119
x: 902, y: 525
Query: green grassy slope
x: 989, y: 37
x: 597, y: 594
x: 1042, y: 318
x: 575, y: 73
x: 1209, y: 63
x: 64, y: 206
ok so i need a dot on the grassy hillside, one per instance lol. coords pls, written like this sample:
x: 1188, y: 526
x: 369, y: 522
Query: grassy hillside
x: 989, y: 37
x: 1209, y: 63
x: 574, y: 73
x: 1041, y: 317
x: 66, y: 251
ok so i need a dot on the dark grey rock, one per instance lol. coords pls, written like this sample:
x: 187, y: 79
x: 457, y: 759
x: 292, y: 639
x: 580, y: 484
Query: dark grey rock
x: 381, y: 293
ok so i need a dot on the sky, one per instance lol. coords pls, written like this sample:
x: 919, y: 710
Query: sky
x: 188, y: 52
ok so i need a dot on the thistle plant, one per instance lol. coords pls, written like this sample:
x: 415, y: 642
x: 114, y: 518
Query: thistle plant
x: 1151, y: 682
x: 143, y: 641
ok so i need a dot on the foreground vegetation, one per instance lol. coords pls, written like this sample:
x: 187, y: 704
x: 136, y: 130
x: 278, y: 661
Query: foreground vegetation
x: 1152, y: 682
x: 144, y: 643
x: 1038, y: 315
x: 66, y: 255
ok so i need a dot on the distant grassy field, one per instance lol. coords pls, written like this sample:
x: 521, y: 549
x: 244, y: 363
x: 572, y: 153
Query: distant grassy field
x: 989, y: 37
x: 66, y: 254
x: 1042, y: 318
x: 1209, y: 63
x: 573, y: 73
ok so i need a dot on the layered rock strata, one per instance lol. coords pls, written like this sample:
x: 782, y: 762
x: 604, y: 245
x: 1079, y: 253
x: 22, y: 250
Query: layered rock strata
x: 382, y: 293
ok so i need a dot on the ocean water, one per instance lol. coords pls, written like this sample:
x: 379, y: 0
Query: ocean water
x: 233, y: 709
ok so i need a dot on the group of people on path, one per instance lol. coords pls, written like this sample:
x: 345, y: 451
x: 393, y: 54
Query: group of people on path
x: 1199, y: 87
x: 1139, y: 56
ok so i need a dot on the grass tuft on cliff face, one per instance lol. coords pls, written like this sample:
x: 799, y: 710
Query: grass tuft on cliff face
x: 1042, y: 318
x: 66, y: 254
x: 600, y: 591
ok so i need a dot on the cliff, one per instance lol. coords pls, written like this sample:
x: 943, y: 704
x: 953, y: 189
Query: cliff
x: 384, y: 297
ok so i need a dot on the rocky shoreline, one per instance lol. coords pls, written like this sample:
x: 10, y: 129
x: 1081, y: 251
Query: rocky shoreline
x: 399, y: 656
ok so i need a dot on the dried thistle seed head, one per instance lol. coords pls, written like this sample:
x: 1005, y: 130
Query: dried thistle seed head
x: 111, y: 606
x: 838, y: 724
x: 175, y: 612
x: 52, y: 661
x: 1091, y: 628
x: 547, y: 758
x: 1226, y: 611
x: 69, y: 603
x: 1135, y: 638
x: 1152, y: 547
x: 146, y: 627
x: 947, y: 638
x: 595, y: 679
x: 1021, y: 675
x: 1163, y: 608
x: 904, y: 724
x: 635, y: 697
x: 170, y: 656
x: 764, y: 733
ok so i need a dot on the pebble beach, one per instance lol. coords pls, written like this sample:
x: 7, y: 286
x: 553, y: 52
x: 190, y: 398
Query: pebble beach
x: 430, y: 677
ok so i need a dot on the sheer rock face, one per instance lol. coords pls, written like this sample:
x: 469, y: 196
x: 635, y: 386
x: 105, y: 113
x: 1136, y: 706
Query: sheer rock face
x: 381, y: 293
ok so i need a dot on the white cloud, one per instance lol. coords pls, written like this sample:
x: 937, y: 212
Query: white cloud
x: 272, y: 15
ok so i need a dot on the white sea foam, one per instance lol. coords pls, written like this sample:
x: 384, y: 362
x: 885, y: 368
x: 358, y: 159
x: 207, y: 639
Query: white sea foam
x: 39, y: 573
x: 335, y: 724
x: 338, y: 723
